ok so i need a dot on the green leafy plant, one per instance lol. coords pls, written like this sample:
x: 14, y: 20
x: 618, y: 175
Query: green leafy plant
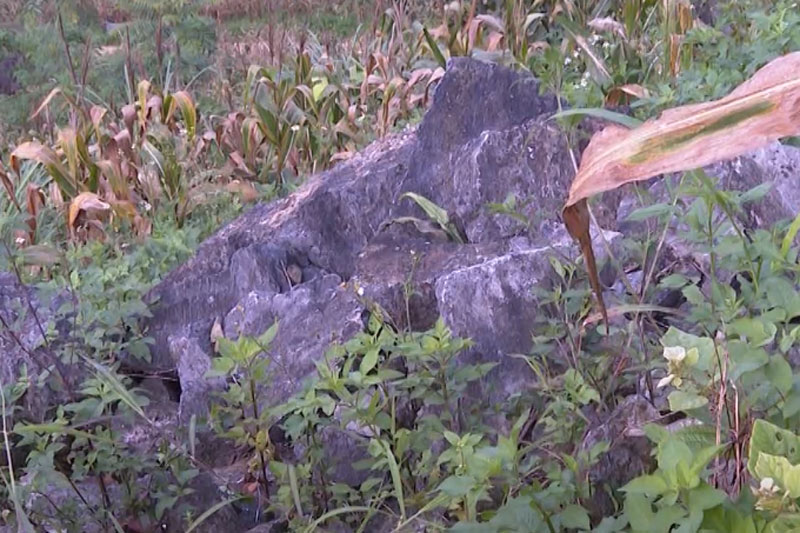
x: 238, y: 416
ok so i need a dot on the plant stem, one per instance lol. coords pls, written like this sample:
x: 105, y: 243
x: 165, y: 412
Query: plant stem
x: 258, y: 428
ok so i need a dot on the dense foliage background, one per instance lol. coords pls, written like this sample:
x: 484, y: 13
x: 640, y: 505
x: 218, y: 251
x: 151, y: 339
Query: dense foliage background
x: 130, y: 130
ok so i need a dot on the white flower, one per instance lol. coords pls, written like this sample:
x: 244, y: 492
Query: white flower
x: 674, y: 354
x: 768, y: 485
x: 360, y: 291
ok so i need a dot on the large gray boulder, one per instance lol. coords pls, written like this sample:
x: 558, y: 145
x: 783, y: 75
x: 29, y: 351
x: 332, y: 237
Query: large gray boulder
x: 298, y: 260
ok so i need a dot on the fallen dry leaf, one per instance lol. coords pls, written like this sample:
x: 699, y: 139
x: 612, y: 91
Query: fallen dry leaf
x: 761, y: 110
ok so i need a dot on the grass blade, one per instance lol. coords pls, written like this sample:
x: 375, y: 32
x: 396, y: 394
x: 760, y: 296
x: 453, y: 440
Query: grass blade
x: 788, y: 239
x: 437, y: 53
x: 599, y: 112
x: 210, y: 511
x: 332, y: 514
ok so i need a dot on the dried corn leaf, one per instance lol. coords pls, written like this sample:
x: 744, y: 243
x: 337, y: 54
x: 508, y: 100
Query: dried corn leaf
x: 49, y: 159
x: 87, y: 202
x: 761, y: 110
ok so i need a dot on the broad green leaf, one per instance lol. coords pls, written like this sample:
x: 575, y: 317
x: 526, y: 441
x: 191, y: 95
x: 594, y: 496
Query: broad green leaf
x: 728, y: 519
x: 671, y: 453
x: 369, y: 361
x: 779, y: 374
x: 522, y: 513
x: 457, y: 486
x: 665, y: 519
x: 697, y: 436
x: 785, y: 523
x: 757, y: 332
x: 651, y: 485
x: 756, y: 193
x: 684, y: 401
x: 655, y: 432
x: 705, y: 346
x: 703, y: 457
x: 706, y: 497
x: 434, y: 212
x: 784, y: 473
x: 674, y: 281
x: 451, y: 437
x: 770, y: 439
x: 783, y: 295
x: 575, y: 517
x: 639, y: 512
x: 744, y: 358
